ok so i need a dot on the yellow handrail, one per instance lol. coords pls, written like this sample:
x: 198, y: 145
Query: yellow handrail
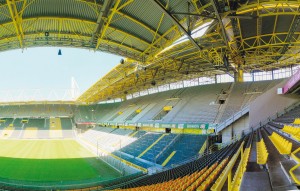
x: 238, y: 177
x: 293, y: 175
x: 203, y: 147
x: 295, y: 156
x: 226, y: 173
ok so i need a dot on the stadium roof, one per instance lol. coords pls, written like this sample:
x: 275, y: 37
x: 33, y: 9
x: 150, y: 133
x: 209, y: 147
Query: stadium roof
x: 248, y: 35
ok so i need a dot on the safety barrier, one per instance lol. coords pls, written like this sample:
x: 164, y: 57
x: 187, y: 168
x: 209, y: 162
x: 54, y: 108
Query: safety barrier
x: 201, y: 178
x: 238, y: 177
x: 294, y: 155
x: 226, y: 173
x: 294, y: 177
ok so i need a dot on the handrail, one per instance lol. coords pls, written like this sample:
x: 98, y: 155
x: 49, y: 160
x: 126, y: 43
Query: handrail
x: 226, y: 174
x: 294, y: 177
x: 204, y: 146
x: 232, y: 119
x: 236, y: 183
x: 294, y: 155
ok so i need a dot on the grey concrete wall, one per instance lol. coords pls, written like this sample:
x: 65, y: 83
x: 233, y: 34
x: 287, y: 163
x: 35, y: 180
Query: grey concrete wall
x: 235, y: 129
x: 269, y: 103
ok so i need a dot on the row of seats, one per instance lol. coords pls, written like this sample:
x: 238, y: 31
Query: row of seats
x: 45, y: 110
x: 297, y: 121
x: 290, y: 116
x: 198, y: 180
x: 261, y: 149
x: 212, y: 176
x: 293, y: 131
x: 262, y: 152
x: 205, y: 167
x: 185, y: 146
x: 281, y: 144
x: 285, y: 145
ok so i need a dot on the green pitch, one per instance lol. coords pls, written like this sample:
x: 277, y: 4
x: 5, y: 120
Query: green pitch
x: 50, y: 160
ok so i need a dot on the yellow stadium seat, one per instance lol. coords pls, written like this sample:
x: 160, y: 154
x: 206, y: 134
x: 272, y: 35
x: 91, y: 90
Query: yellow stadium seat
x: 262, y: 153
x: 282, y: 145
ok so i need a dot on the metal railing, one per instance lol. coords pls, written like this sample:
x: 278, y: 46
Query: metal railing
x: 232, y: 119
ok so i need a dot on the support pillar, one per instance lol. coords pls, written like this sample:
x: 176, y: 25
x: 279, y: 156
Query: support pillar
x: 239, y: 75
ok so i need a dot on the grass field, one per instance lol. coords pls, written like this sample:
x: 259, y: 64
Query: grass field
x: 50, y: 160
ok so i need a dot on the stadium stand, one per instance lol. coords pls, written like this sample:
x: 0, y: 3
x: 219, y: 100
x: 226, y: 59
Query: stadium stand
x: 242, y: 94
x: 190, y: 176
x: 185, y: 147
x: 184, y: 109
x: 36, y: 128
x: 39, y: 110
x: 146, y: 149
x: 192, y: 104
x: 106, y: 138
x: 278, y: 149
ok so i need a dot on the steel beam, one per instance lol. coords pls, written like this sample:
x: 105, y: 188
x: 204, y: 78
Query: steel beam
x: 176, y: 22
x: 225, y: 38
x: 107, y: 23
x: 101, y: 21
x: 17, y: 20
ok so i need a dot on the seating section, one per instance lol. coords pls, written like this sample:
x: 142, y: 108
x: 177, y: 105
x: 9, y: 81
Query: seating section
x: 282, y: 145
x: 198, y: 174
x: 67, y: 128
x: 297, y: 121
x: 138, y: 134
x: 122, y: 131
x: 202, y: 173
x: 55, y: 128
x: 137, y: 147
x: 185, y: 147
x: 289, y: 117
x: 261, y: 149
x: 241, y: 94
x: 191, y: 104
x: 39, y: 110
x: 293, y: 131
x: 106, y: 139
x: 37, y: 128
x: 143, y: 148
x: 152, y: 153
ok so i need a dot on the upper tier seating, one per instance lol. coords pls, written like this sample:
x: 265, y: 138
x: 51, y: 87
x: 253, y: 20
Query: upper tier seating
x: 193, y: 104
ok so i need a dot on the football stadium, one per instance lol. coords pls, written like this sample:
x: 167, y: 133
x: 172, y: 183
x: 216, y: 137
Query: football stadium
x: 204, y: 96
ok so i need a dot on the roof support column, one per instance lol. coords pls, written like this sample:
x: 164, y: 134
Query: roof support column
x: 16, y: 19
x: 102, y: 17
x: 239, y: 75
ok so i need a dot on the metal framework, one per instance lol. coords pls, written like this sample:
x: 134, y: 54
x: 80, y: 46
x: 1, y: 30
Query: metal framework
x: 254, y: 35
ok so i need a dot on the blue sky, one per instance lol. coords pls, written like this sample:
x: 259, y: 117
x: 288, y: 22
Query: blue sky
x: 42, y: 68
